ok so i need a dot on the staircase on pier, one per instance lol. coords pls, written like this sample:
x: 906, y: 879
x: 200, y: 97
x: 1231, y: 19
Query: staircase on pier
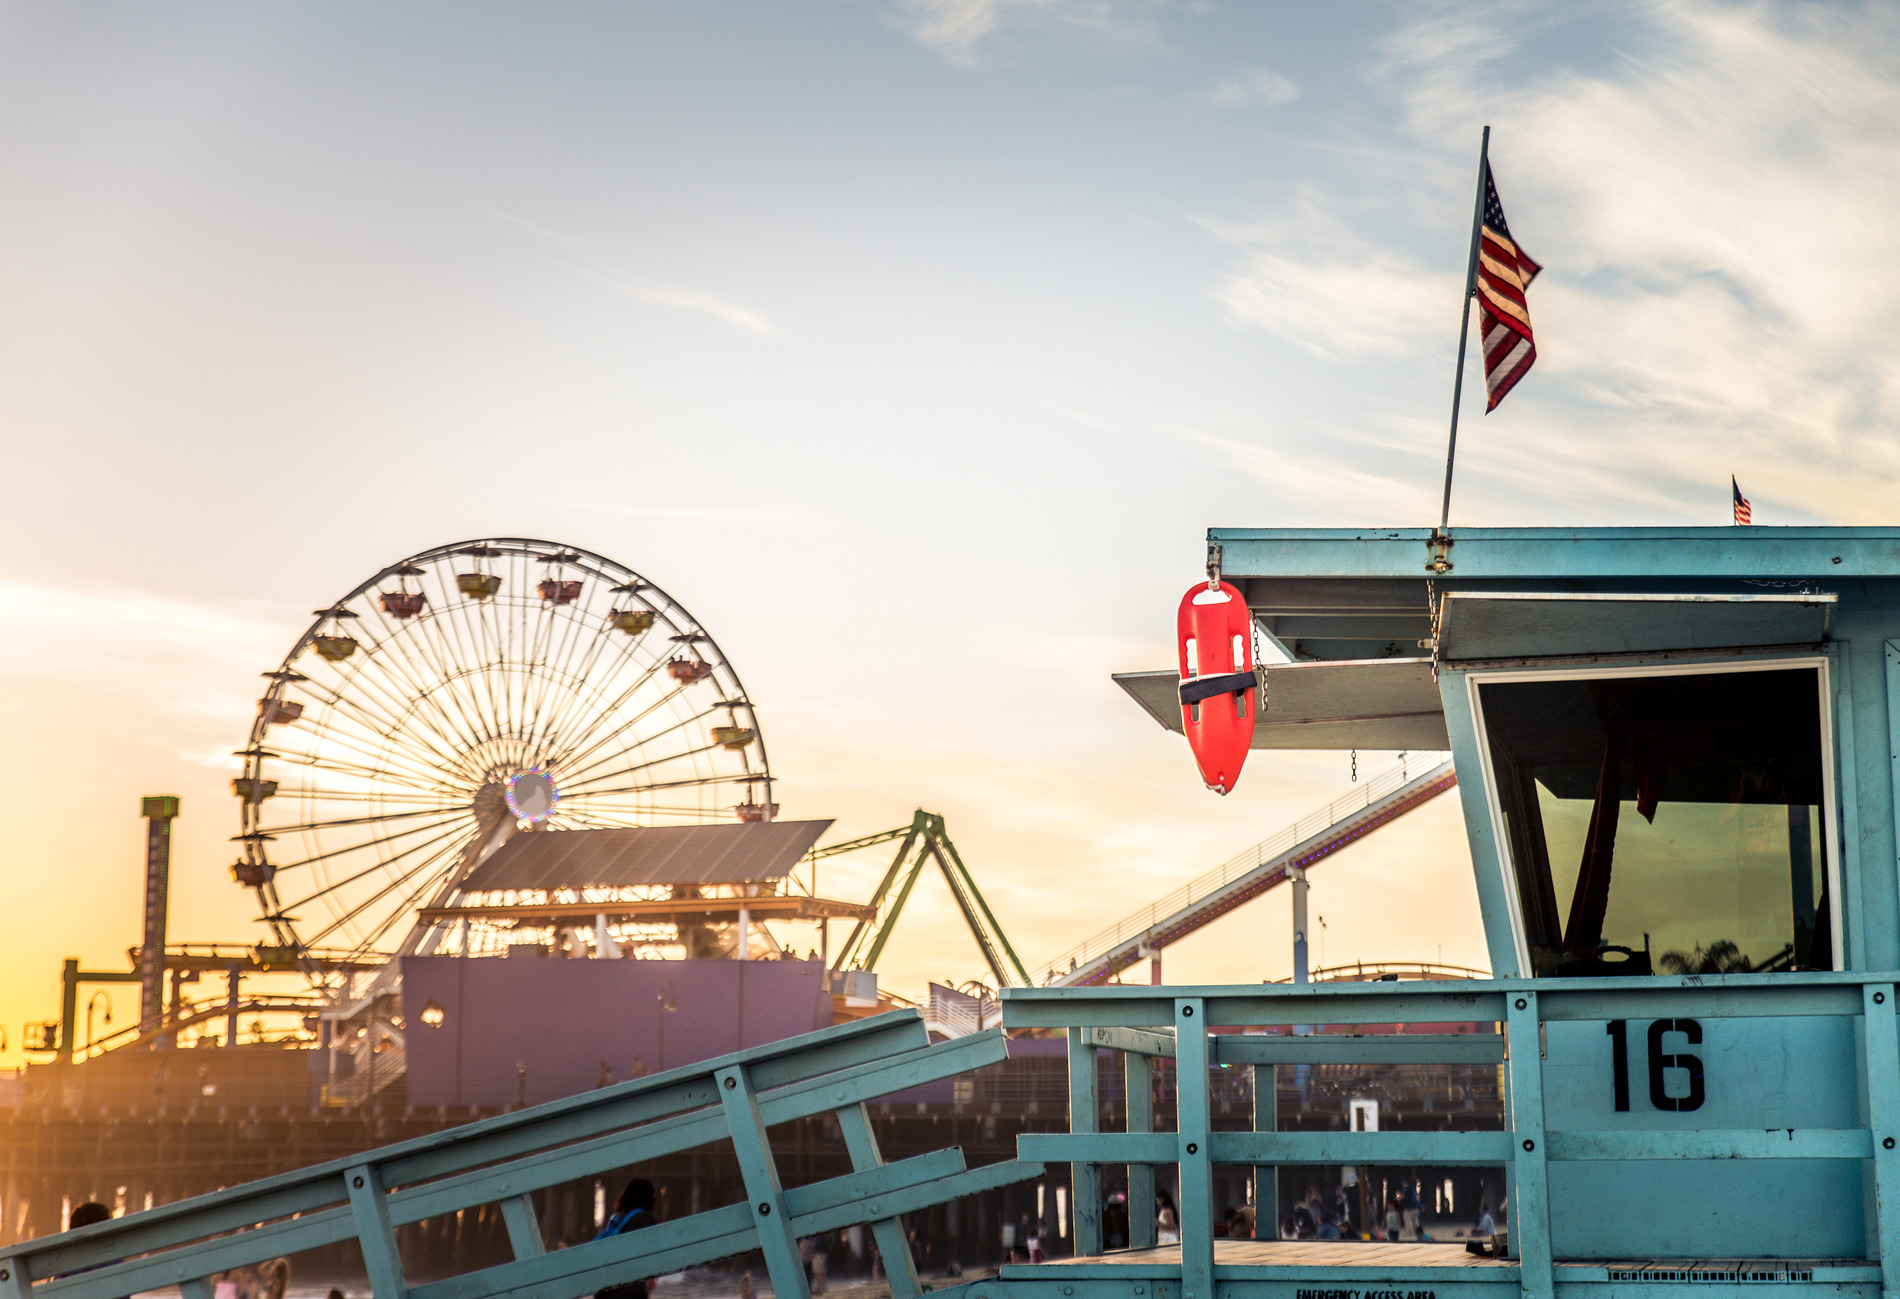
x: 1255, y: 872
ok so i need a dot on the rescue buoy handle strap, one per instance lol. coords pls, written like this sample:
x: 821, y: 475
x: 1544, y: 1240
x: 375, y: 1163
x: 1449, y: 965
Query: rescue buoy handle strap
x: 1232, y: 683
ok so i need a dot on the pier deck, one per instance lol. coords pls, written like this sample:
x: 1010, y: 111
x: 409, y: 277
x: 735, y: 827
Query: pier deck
x: 1401, y: 1262
x: 1243, y: 1254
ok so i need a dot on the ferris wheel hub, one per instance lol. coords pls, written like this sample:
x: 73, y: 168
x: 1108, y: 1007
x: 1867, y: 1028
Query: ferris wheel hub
x: 532, y: 795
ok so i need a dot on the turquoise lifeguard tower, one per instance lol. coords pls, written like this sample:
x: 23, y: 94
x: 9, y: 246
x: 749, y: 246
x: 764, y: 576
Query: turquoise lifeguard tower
x: 1678, y: 752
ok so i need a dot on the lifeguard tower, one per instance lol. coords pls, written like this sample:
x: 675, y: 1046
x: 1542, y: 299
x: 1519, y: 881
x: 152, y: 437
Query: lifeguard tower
x: 1678, y: 752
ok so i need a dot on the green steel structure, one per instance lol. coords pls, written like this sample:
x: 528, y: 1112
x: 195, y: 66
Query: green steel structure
x: 923, y: 841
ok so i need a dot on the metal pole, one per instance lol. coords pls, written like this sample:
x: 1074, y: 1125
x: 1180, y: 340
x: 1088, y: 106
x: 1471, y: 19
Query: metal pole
x: 232, y: 976
x: 1300, y: 887
x: 69, y: 1008
x: 1464, y: 321
x: 158, y: 811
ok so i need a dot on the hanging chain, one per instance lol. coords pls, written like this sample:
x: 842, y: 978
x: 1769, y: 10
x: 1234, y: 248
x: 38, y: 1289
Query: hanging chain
x: 1259, y: 671
x: 1355, y: 766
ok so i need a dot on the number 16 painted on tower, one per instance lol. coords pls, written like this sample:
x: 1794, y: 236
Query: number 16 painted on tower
x: 1659, y: 1064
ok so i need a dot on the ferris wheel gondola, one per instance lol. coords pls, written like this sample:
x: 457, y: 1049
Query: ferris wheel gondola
x: 460, y: 697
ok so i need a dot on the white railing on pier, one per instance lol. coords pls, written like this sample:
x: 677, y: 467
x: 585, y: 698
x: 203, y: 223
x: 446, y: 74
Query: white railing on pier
x: 1079, y: 958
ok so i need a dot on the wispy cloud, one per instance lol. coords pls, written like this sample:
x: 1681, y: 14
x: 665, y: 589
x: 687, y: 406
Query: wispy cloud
x: 1254, y: 88
x: 1709, y: 207
x: 664, y: 512
x: 642, y: 289
x: 661, y: 294
x: 959, y: 29
x: 1314, y: 284
x: 541, y: 232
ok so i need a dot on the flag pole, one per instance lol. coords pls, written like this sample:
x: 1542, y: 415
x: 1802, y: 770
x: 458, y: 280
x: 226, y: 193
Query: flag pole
x: 1464, y: 323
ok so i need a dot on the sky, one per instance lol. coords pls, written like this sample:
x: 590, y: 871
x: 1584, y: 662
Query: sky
x: 913, y: 345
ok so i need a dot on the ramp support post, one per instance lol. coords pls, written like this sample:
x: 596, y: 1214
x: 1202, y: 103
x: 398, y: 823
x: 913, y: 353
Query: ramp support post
x: 762, y: 1188
x: 1266, y: 1177
x: 1196, y: 1183
x: 1883, y: 1116
x: 1530, y: 1208
x: 860, y: 1142
x: 524, y: 1225
x: 376, y: 1232
x: 1139, y: 1072
x: 1085, y: 1180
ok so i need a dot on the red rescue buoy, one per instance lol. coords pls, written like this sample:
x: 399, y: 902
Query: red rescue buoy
x: 1212, y: 637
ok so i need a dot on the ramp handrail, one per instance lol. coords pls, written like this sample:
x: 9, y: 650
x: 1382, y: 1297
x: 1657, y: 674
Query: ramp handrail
x: 501, y: 1160
x: 1268, y: 850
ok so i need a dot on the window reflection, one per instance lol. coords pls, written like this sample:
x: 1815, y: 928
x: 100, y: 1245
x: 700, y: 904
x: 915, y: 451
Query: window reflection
x: 1667, y: 824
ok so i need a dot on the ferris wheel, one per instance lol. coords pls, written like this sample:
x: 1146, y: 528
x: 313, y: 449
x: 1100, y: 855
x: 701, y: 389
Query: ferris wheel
x: 462, y: 696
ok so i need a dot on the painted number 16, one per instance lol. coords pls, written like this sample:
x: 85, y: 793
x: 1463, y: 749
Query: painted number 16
x: 1659, y: 1064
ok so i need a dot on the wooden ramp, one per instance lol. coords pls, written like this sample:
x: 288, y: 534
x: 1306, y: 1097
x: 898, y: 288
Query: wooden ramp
x: 735, y: 1098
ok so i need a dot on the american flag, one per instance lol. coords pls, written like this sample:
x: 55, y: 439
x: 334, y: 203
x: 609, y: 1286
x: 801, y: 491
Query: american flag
x: 1504, y: 272
x: 1742, y: 513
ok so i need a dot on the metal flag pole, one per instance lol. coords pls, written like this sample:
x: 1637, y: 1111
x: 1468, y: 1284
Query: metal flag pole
x: 1464, y: 321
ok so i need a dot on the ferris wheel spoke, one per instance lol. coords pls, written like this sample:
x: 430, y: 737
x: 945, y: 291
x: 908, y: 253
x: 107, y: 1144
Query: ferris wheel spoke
x: 612, y: 710
x: 424, y: 781
x: 443, y: 631
x: 406, y: 907
x: 376, y: 730
x: 369, y: 938
x: 581, y: 699
x: 367, y: 871
x: 359, y: 715
x: 696, y: 782
x: 589, y: 819
x: 383, y: 775
x: 467, y: 629
x: 444, y: 706
x: 668, y: 697
x: 559, y: 670
x: 681, y: 725
x: 346, y: 850
x: 399, y: 660
x: 360, y: 820
x: 548, y: 729
x: 549, y: 633
x: 429, y: 802
x: 382, y: 708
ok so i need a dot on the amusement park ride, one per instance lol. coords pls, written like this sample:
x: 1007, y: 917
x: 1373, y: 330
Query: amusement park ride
x: 503, y: 747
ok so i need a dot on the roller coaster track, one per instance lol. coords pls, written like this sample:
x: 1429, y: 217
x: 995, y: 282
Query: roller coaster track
x: 1260, y: 869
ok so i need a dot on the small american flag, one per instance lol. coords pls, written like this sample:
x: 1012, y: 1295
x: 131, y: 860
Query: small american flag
x: 1504, y: 272
x: 1742, y: 513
